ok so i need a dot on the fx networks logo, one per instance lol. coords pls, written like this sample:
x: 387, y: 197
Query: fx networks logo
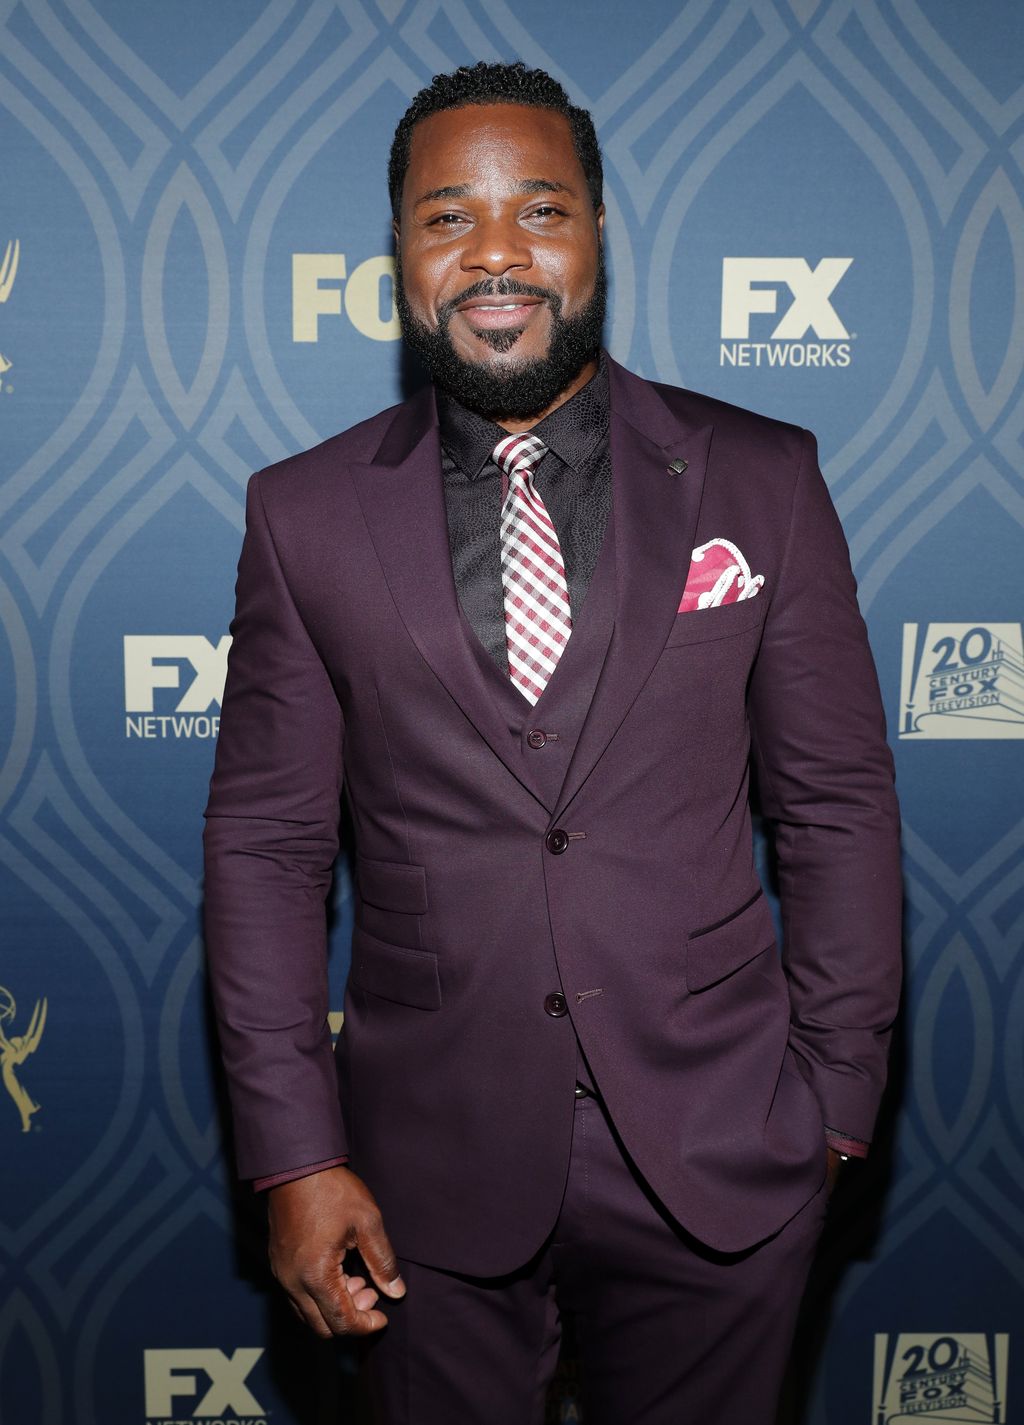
x: 15, y: 1049
x: 962, y: 680
x: 8, y: 272
x: 322, y: 286
x: 187, y: 670
x: 211, y: 1382
x: 941, y: 1378
x: 753, y: 286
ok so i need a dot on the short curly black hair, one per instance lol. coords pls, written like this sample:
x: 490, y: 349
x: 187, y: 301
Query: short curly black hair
x: 485, y: 83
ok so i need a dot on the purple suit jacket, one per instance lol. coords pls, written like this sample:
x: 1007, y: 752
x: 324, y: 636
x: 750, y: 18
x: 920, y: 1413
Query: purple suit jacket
x: 352, y: 668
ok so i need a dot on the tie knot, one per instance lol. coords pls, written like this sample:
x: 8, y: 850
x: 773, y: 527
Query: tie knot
x: 519, y: 453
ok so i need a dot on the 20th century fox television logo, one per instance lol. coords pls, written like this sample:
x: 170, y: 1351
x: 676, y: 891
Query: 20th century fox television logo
x: 962, y: 680
x: 953, y: 1379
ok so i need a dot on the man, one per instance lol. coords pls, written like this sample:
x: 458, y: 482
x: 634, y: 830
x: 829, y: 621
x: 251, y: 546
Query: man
x: 533, y: 621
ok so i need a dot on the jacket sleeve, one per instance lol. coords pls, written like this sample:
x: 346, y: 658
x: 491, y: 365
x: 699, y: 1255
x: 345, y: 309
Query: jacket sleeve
x: 270, y: 841
x: 825, y: 774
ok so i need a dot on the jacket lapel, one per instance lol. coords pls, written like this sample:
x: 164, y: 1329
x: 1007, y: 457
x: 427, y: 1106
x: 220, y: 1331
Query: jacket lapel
x: 655, y: 524
x: 401, y: 494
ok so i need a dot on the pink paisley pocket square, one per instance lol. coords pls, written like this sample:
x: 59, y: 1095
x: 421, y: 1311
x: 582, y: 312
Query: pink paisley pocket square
x: 718, y: 575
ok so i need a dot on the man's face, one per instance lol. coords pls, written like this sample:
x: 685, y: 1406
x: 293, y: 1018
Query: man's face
x: 500, y: 283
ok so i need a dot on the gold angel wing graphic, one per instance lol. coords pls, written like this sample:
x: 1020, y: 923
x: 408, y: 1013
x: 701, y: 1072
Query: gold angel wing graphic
x: 15, y: 1049
x: 9, y: 268
x: 8, y: 272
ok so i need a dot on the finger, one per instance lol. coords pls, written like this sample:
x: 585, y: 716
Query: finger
x: 344, y: 1315
x: 361, y: 1292
x: 306, y: 1310
x: 379, y: 1256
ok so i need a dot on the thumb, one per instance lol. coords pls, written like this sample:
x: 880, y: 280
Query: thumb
x: 379, y: 1256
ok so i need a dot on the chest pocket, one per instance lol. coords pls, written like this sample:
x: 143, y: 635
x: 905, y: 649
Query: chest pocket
x: 726, y: 621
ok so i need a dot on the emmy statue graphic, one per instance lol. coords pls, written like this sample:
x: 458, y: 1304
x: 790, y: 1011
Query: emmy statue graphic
x: 8, y: 272
x: 15, y: 1049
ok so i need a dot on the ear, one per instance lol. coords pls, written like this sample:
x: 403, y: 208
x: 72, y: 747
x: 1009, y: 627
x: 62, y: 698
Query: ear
x: 395, y: 230
x: 600, y: 222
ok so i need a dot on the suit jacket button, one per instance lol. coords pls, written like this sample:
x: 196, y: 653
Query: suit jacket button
x: 536, y: 738
x: 556, y: 841
x: 555, y: 1005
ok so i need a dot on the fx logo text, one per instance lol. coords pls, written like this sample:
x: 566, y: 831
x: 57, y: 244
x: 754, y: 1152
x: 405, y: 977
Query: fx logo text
x: 154, y: 661
x: 173, y: 1374
x: 750, y: 285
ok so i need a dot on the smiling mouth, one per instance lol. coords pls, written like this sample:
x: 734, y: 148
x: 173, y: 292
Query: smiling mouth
x: 485, y: 314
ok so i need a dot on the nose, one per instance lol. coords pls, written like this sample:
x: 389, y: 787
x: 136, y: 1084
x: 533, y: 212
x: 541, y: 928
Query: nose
x: 496, y: 246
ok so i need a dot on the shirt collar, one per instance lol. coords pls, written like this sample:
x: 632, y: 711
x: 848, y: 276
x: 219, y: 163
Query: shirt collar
x: 572, y: 431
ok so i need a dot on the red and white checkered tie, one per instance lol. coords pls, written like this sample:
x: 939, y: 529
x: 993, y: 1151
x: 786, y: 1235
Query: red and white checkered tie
x: 537, y: 617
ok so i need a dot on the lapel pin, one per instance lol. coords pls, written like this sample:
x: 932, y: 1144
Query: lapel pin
x: 678, y: 467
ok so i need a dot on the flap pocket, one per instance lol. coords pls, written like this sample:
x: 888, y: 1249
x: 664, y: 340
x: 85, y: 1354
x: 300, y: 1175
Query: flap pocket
x: 393, y: 972
x: 392, y: 885
x: 716, y: 952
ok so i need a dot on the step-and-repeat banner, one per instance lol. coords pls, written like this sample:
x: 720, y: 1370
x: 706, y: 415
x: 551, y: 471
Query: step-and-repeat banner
x: 815, y: 210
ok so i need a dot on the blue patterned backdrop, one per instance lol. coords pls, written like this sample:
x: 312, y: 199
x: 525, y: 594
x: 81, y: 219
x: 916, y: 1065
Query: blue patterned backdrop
x: 815, y: 209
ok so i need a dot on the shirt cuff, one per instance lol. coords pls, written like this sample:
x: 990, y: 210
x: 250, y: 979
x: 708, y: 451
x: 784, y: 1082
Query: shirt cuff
x: 261, y: 1184
x: 852, y: 1147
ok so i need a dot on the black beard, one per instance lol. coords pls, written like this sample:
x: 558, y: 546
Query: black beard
x: 517, y: 391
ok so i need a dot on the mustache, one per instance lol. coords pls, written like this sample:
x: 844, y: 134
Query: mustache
x: 496, y: 287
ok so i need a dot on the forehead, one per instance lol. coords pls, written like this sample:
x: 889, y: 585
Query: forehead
x: 482, y: 142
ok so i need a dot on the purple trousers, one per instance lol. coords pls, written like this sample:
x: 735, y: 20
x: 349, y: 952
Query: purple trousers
x: 669, y: 1332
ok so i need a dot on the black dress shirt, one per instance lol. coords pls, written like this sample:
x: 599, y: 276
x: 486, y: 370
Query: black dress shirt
x: 573, y: 479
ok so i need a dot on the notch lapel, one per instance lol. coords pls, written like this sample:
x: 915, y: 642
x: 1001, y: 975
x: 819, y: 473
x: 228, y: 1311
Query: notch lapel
x: 401, y: 493
x: 655, y: 525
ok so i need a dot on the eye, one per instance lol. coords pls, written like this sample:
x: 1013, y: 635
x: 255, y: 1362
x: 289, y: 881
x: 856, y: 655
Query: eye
x: 446, y: 220
x: 546, y: 210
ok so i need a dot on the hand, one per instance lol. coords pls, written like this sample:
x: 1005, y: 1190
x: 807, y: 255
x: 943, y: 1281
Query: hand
x: 313, y: 1222
x: 832, y: 1171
